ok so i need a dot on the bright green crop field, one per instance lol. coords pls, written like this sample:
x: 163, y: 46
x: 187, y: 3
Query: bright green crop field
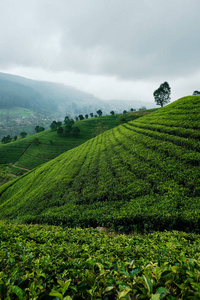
x: 28, y: 153
x: 50, y: 262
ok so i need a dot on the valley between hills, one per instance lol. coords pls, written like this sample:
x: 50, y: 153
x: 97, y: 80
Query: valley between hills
x: 139, y: 182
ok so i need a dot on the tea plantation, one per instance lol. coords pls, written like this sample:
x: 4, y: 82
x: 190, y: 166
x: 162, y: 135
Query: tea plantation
x: 141, y: 178
x: 48, y: 262
x: 32, y: 151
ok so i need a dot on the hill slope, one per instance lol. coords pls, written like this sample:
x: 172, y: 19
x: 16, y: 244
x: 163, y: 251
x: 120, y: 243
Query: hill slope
x: 37, y: 149
x: 143, y: 175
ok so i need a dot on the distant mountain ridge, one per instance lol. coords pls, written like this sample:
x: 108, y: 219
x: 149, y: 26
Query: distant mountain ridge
x: 17, y: 91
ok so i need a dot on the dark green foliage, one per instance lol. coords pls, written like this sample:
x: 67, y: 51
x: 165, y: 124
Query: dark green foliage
x: 66, y: 119
x: 91, y: 115
x: 112, y: 112
x: 162, y: 94
x: 54, y: 125
x: 75, y: 131
x: 60, y: 130
x: 196, y: 93
x: 81, y: 117
x: 99, y: 112
x: 125, y: 112
x: 39, y: 129
x: 68, y: 129
x: 38, y: 261
x: 6, y: 139
x: 23, y: 134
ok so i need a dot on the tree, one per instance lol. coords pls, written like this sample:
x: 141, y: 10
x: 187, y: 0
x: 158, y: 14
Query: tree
x: 54, y: 125
x: 124, y: 112
x: 91, y: 115
x: 142, y: 108
x: 6, y: 139
x: 81, y: 117
x: 162, y: 94
x: 196, y: 93
x: 39, y: 129
x: 112, y: 112
x: 99, y: 112
x: 60, y: 130
x: 75, y: 131
x: 23, y: 134
x: 132, y: 109
x: 66, y: 120
x: 86, y: 116
x: 68, y: 129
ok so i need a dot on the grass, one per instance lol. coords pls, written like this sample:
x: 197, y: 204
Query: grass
x: 142, y: 175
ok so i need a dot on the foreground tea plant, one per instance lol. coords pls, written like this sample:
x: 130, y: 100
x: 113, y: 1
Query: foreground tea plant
x: 46, y: 262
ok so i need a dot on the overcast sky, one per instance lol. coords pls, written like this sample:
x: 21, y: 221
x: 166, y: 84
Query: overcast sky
x: 114, y: 49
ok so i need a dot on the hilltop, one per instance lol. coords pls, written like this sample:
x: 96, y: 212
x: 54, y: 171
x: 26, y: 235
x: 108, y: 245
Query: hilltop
x: 143, y: 174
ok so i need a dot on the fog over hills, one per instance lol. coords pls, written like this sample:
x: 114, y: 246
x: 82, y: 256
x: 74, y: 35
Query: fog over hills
x: 17, y: 91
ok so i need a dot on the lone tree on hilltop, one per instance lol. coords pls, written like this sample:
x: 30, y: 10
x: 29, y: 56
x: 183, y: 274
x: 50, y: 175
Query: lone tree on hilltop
x: 112, y: 112
x: 162, y: 94
x: 196, y: 93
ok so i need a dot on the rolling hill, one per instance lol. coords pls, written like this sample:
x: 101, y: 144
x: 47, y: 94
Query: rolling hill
x: 32, y: 151
x: 140, y: 175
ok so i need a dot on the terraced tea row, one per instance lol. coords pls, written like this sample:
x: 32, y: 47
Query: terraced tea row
x: 35, y: 150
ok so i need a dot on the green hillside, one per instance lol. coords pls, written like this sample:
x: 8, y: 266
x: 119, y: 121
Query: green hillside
x: 141, y: 175
x: 32, y: 151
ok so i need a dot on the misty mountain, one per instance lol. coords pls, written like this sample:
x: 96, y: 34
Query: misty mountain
x: 17, y: 91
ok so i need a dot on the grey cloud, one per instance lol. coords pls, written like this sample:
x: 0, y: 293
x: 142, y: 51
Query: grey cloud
x: 123, y: 38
